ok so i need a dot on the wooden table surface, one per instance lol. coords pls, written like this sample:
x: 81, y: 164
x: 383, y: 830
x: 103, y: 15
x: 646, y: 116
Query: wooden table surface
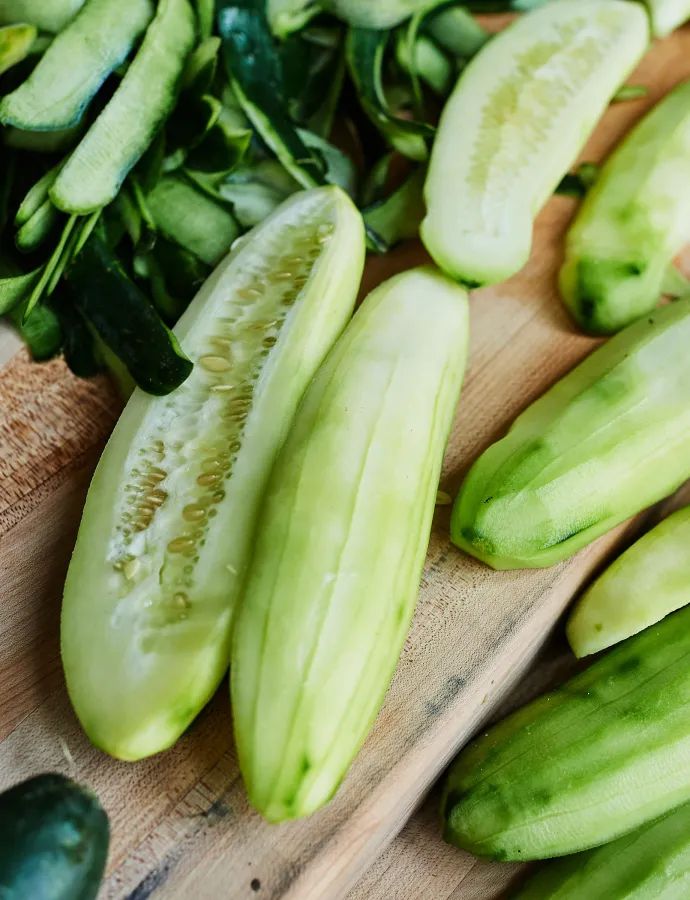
x: 180, y: 821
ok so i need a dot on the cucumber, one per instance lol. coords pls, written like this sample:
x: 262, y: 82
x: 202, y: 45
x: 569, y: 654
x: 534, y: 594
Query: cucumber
x: 54, y: 841
x: 377, y: 14
x: 15, y: 43
x: 46, y: 15
x: 651, y: 863
x: 667, y: 15
x: 602, y: 755
x: 633, y: 222
x: 120, y: 135
x: 516, y: 121
x: 649, y: 581
x: 609, y: 440
x: 170, y: 514
x: 341, y: 543
x: 75, y: 65
x: 191, y: 219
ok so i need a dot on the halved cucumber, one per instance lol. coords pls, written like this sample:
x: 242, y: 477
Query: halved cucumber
x: 667, y: 15
x: 633, y: 222
x: 120, y: 135
x: 520, y: 114
x: 75, y: 65
x: 341, y: 543
x: 645, y: 584
x: 170, y: 515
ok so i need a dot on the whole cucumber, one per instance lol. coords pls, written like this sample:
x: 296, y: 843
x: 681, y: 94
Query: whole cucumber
x: 596, y: 758
x: 651, y: 863
x: 53, y: 841
x: 341, y: 543
x: 607, y: 441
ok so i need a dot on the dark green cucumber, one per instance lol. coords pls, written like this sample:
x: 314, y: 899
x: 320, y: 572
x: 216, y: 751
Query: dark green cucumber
x: 76, y: 64
x: 651, y: 863
x: 122, y: 132
x: 602, y: 755
x: 54, y: 841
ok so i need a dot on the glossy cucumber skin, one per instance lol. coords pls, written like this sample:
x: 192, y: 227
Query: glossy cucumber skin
x: 520, y: 114
x: 595, y: 759
x: 651, y: 863
x: 649, y: 581
x: 667, y: 15
x: 341, y: 543
x: 607, y: 441
x: 75, y: 65
x: 632, y: 223
x: 54, y: 841
x: 139, y: 666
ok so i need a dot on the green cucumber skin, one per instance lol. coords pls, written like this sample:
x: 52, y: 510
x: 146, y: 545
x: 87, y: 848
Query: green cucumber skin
x: 597, y: 758
x: 651, y: 863
x: 54, y: 841
x: 607, y: 441
x: 118, y: 138
x: 75, y: 65
x: 649, y: 581
x: 632, y: 223
x: 485, y: 185
x: 341, y: 543
x: 667, y: 15
x: 136, y: 683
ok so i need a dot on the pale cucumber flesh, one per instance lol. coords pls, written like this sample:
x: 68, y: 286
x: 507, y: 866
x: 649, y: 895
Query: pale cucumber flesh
x: 170, y: 514
x: 341, y: 544
x: 607, y: 441
x: 632, y: 223
x: 75, y: 65
x: 645, y: 584
x: 667, y: 15
x: 516, y: 121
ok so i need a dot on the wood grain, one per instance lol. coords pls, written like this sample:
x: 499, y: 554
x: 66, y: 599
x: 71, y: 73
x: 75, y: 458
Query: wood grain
x: 181, y: 824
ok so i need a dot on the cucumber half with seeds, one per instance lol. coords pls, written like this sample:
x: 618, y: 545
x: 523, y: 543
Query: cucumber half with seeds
x: 516, y: 121
x: 170, y: 514
x: 633, y: 222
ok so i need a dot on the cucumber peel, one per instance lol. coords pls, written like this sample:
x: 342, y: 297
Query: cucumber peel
x: 169, y: 519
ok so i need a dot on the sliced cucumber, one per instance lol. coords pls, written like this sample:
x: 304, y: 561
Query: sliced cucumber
x: 191, y: 219
x: 47, y: 15
x: 636, y: 218
x: 520, y: 114
x: 667, y: 15
x: 75, y: 65
x: 15, y: 43
x: 645, y: 584
x: 122, y: 132
x: 170, y: 515
x: 341, y: 543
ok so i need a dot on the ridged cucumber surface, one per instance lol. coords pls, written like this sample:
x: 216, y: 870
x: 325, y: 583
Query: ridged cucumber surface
x: 649, y: 581
x: 607, y: 441
x: 123, y: 131
x: 602, y: 755
x: 516, y: 121
x: 76, y: 64
x: 341, y: 543
x: 54, y: 841
x: 170, y: 515
x: 651, y: 863
x: 667, y: 15
x: 632, y: 223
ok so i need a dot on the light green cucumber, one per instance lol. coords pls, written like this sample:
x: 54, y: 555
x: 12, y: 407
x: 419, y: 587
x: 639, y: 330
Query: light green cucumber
x: 607, y: 441
x: 632, y: 223
x: 341, y: 543
x: 667, y: 15
x: 646, y: 583
x: 121, y: 134
x: 46, y: 15
x: 593, y: 760
x: 515, y: 123
x: 651, y: 863
x: 170, y: 515
x: 75, y: 65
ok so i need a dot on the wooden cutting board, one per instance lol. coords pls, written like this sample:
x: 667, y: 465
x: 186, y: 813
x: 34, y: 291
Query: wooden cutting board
x: 181, y: 826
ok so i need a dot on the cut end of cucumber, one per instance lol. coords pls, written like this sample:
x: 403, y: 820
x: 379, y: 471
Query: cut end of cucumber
x: 171, y: 510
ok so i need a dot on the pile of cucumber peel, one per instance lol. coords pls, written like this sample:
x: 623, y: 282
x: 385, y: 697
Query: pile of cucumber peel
x: 189, y: 204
